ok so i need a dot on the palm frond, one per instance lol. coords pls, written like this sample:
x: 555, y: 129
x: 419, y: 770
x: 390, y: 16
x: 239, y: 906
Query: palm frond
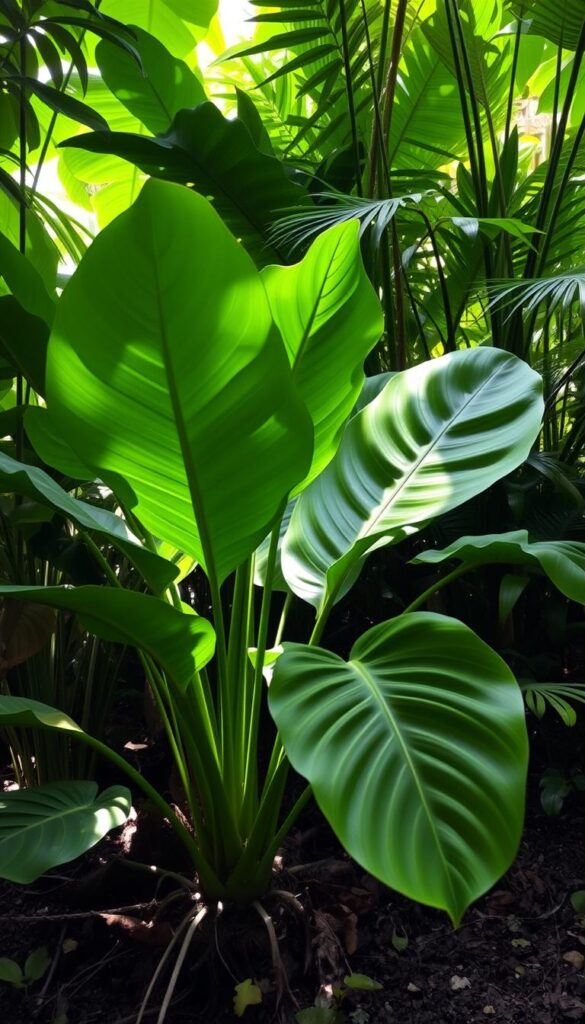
x: 560, y: 23
x: 299, y: 226
x: 322, y: 48
x: 556, y: 291
x: 554, y: 695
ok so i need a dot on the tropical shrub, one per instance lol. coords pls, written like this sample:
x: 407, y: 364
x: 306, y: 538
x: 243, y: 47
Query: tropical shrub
x: 204, y: 395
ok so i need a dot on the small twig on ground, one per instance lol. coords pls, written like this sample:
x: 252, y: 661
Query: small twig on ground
x: 83, y: 915
x: 40, y: 998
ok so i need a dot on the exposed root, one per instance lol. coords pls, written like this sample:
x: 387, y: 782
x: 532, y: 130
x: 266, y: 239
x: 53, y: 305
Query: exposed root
x: 280, y: 975
x: 187, y: 920
x: 192, y: 928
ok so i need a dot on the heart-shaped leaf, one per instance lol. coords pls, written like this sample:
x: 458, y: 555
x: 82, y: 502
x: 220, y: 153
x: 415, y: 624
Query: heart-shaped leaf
x: 416, y: 750
x: 53, y: 824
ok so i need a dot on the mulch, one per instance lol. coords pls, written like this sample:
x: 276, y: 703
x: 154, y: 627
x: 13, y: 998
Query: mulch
x: 517, y: 958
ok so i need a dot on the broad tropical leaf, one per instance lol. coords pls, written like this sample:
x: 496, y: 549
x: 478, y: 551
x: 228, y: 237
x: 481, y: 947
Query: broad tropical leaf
x: 181, y: 641
x: 219, y: 158
x: 330, y: 318
x: 563, y: 561
x: 165, y: 370
x: 157, y: 91
x: 159, y: 18
x: 435, y: 436
x: 50, y: 446
x: 53, y: 824
x: 416, y: 750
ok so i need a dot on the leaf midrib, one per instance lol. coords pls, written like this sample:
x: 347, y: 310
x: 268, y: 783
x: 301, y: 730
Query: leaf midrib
x: 18, y: 830
x: 424, y: 454
x: 378, y: 699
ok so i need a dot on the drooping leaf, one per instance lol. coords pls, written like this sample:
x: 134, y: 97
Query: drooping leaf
x: 558, y: 696
x: 329, y: 318
x: 416, y: 750
x: 23, y: 341
x: 165, y: 370
x: 63, y: 103
x: 180, y: 641
x: 32, y: 482
x: 25, y: 282
x: 219, y: 158
x: 435, y: 436
x: 563, y: 561
x: 53, y: 824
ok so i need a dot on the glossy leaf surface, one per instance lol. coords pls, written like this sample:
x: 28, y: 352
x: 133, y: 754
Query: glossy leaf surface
x: 330, y: 318
x: 563, y: 561
x: 435, y: 436
x: 180, y: 641
x: 216, y: 155
x: 416, y: 750
x: 165, y: 369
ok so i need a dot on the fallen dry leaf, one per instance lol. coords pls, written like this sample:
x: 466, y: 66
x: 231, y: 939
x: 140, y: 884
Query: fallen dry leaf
x: 574, y: 958
x: 457, y: 983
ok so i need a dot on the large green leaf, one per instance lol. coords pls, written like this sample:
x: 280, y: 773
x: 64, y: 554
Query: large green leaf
x: 561, y: 23
x: 157, y: 91
x: 216, y: 155
x: 53, y: 824
x: 165, y: 369
x: 563, y: 561
x: 157, y: 17
x: 34, y: 483
x: 416, y: 750
x: 329, y: 318
x: 181, y: 641
x: 50, y: 446
x: 435, y: 436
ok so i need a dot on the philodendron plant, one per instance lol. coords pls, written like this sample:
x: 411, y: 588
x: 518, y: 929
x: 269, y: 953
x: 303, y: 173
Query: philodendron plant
x: 218, y: 404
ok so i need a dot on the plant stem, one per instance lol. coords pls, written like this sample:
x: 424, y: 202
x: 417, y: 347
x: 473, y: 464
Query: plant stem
x: 283, y: 617
x: 355, y: 144
x: 204, y: 870
x: 435, y: 587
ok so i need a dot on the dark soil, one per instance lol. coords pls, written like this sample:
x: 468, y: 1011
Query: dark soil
x: 518, y: 957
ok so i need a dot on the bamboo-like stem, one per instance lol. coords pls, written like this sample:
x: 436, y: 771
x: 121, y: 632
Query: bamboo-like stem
x: 355, y: 143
